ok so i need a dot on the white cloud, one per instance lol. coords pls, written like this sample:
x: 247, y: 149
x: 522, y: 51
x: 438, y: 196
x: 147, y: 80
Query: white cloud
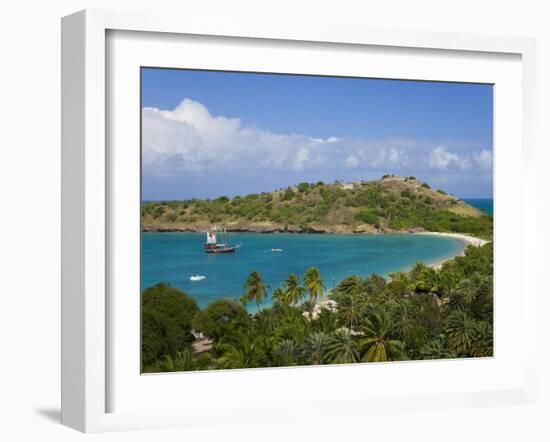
x: 484, y: 160
x: 397, y: 157
x: 352, y: 161
x: 390, y: 158
x: 300, y: 160
x: 442, y: 159
x: 190, y: 139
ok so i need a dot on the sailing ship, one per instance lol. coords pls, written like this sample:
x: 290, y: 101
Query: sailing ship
x: 213, y: 246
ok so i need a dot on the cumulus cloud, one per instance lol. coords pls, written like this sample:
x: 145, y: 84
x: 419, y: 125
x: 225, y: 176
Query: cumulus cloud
x: 189, y: 138
x: 390, y: 158
x: 352, y: 161
x: 442, y: 159
x: 484, y: 160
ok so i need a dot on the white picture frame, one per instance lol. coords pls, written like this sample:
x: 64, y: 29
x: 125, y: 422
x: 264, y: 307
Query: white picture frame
x: 86, y: 212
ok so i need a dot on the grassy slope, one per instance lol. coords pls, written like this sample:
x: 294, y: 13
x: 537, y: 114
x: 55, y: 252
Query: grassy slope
x: 389, y: 204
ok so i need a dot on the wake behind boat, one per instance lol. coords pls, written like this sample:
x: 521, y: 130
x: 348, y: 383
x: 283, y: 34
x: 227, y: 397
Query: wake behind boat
x: 212, y: 245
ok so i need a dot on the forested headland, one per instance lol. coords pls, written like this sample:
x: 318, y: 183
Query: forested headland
x: 390, y: 204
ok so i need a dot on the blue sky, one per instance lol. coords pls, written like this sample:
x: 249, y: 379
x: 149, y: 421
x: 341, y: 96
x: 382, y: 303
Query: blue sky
x: 207, y: 134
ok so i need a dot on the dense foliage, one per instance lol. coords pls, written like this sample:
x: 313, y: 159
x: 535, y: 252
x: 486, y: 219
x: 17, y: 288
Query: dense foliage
x: 425, y: 313
x: 166, y: 322
x: 390, y: 204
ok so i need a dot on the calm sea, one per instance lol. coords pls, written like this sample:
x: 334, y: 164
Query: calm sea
x: 174, y: 257
x: 485, y: 204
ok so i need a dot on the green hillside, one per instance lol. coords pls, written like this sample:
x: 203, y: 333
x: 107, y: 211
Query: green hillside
x: 390, y: 204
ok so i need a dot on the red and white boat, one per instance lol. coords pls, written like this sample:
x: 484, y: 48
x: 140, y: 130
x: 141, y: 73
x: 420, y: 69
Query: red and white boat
x: 212, y: 245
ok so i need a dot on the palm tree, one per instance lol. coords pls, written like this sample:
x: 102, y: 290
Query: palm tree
x: 468, y: 288
x: 182, y: 361
x: 424, y: 279
x: 374, y: 285
x: 279, y: 296
x: 377, y: 345
x: 256, y: 289
x: 481, y: 306
x: 402, y: 320
x: 326, y: 321
x: 457, y: 301
x: 294, y: 292
x: 307, y: 306
x: 287, y: 352
x: 315, y: 286
x: 448, y: 278
x: 266, y: 322
x: 462, y: 332
x: 244, y: 300
x: 342, y: 348
x: 351, y: 285
x: 315, y: 348
x: 436, y: 349
x: 483, y: 345
x: 399, y: 283
x: 349, y: 308
x: 240, y: 354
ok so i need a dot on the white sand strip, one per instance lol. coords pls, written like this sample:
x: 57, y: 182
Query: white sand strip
x: 467, y: 240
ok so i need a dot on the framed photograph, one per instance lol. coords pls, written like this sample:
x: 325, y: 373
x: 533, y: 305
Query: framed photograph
x: 271, y: 222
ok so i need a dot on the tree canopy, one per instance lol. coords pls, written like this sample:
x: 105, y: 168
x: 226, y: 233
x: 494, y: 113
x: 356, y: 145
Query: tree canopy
x: 166, y: 322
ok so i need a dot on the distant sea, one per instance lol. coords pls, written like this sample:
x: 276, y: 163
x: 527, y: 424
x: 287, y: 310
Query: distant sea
x: 174, y: 257
x: 485, y: 204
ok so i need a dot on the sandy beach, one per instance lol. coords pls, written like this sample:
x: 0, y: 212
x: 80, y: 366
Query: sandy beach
x: 325, y: 302
x: 467, y: 240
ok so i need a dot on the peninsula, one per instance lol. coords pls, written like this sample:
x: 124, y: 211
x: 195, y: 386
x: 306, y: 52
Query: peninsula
x: 390, y: 204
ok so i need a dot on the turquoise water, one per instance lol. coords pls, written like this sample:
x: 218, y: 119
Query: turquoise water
x: 174, y: 257
x: 485, y: 204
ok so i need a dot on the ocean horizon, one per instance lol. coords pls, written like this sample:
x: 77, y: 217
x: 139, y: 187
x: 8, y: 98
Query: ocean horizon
x: 484, y: 204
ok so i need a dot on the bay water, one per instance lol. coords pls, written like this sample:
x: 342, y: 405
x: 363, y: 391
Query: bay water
x: 174, y: 257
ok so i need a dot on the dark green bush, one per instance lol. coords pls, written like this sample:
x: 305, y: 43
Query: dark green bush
x: 366, y: 216
x: 166, y: 322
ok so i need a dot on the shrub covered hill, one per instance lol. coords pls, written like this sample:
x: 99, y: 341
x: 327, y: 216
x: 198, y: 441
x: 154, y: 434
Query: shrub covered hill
x: 391, y: 204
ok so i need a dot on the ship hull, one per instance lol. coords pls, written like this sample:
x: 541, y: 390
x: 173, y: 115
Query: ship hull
x: 225, y: 250
x: 213, y: 246
x: 219, y: 249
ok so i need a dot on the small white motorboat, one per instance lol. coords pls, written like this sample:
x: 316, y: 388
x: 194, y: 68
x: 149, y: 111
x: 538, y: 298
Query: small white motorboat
x: 276, y: 250
x: 195, y: 278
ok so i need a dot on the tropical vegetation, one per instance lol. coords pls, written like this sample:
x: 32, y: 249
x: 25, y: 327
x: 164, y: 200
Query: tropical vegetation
x: 425, y: 313
x: 390, y: 204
